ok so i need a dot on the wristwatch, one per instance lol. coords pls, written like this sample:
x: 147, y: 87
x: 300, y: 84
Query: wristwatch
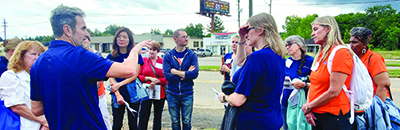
x: 223, y: 98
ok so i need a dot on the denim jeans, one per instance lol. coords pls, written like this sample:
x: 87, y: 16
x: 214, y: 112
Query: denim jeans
x: 328, y: 121
x: 178, y: 104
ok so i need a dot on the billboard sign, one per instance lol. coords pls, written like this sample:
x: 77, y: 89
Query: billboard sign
x: 214, y: 6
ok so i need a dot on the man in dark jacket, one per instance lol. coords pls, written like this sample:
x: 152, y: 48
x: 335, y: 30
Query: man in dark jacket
x: 180, y: 67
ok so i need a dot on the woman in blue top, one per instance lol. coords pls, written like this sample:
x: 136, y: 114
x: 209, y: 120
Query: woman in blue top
x: 260, y: 80
x: 298, y: 65
x: 122, y: 44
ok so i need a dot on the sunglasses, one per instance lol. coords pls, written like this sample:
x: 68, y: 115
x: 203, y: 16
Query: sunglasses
x: 289, y: 44
x: 248, y: 29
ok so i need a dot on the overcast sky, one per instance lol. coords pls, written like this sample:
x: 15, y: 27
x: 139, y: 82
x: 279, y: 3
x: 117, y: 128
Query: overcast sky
x: 31, y: 17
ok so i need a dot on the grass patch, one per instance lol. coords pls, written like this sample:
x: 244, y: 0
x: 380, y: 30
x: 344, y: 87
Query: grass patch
x: 393, y: 63
x: 209, y: 68
x: 394, y: 73
x: 389, y: 54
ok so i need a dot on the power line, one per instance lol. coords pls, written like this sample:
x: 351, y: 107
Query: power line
x: 35, y: 15
x: 105, y: 14
x: 342, y: 3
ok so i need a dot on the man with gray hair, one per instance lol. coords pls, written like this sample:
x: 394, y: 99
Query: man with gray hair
x: 63, y: 79
x: 180, y: 67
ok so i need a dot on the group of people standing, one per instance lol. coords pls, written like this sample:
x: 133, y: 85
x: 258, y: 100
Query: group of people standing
x: 63, y: 87
x: 268, y: 86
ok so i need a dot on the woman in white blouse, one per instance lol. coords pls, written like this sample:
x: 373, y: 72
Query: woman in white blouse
x: 15, y: 85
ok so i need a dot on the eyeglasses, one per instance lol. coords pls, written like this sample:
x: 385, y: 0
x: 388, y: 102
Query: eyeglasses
x: 248, y: 29
x: 289, y: 44
x: 188, y: 37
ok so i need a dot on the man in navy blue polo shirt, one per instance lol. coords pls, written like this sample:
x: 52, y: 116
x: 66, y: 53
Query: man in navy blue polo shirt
x: 63, y: 79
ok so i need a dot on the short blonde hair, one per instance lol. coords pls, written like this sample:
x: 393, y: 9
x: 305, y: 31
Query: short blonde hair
x: 272, y: 37
x: 10, y: 44
x: 333, y: 36
x: 17, y: 63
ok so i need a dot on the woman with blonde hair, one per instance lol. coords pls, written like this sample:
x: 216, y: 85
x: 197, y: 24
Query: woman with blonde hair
x: 9, y: 46
x: 15, y: 85
x: 327, y: 105
x: 260, y: 80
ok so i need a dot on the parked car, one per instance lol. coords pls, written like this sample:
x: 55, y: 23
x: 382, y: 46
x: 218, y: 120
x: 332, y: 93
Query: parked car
x: 145, y: 53
x: 204, y: 52
x: 164, y: 50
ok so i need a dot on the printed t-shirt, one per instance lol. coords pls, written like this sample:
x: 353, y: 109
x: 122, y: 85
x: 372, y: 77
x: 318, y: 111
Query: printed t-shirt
x: 64, y: 79
x: 375, y: 66
x: 320, y: 82
x: 228, y: 62
x: 261, y: 80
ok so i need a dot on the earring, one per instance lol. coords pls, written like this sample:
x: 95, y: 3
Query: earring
x: 364, y: 51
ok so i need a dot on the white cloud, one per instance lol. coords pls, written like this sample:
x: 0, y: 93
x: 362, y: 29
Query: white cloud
x: 31, y: 17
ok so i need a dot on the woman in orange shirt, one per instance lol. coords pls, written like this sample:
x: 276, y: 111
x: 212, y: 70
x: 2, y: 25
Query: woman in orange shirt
x: 326, y: 100
x: 360, y: 37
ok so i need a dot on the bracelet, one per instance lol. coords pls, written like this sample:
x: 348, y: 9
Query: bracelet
x: 242, y: 42
x: 223, y: 98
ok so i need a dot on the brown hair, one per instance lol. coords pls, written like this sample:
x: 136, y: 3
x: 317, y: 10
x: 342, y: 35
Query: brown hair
x: 115, y: 47
x: 9, y: 44
x: 155, y: 45
x: 17, y: 63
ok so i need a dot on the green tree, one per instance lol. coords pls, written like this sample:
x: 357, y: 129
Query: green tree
x: 155, y: 31
x: 378, y: 19
x: 47, y: 38
x: 194, y: 30
x: 90, y: 32
x: 168, y: 32
x: 111, y: 29
x: 295, y: 25
x: 391, y: 37
x: 218, y: 25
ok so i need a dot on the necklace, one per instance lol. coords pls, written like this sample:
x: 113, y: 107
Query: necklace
x: 264, y: 47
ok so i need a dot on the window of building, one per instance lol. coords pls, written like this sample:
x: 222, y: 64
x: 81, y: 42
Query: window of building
x: 195, y: 44
x: 201, y: 44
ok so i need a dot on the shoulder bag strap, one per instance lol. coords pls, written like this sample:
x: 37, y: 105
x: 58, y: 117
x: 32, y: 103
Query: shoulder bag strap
x: 151, y: 65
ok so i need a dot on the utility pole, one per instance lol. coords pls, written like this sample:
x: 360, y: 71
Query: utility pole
x: 270, y: 5
x: 5, y: 26
x: 239, y: 10
x: 250, y: 8
x: 212, y: 22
